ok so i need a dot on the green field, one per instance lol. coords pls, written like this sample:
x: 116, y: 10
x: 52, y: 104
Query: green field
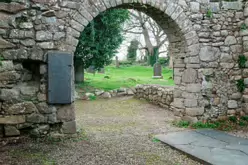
x: 126, y: 76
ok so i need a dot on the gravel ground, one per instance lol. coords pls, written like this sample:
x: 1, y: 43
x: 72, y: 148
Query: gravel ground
x: 118, y: 131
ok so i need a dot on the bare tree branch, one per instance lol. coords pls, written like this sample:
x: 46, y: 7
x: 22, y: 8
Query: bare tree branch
x: 133, y: 32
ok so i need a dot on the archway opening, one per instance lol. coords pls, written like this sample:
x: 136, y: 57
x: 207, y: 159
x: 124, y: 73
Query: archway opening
x: 163, y: 16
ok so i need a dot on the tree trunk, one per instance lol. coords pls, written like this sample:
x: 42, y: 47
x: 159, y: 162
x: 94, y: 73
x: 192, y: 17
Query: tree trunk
x: 79, y: 74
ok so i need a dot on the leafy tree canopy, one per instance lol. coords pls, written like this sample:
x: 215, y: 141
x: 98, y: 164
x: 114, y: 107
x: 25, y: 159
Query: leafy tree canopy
x: 101, y: 38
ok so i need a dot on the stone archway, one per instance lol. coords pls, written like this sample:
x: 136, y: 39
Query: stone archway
x: 205, y: 57
x: 41, y: 28
x: 173, y: 17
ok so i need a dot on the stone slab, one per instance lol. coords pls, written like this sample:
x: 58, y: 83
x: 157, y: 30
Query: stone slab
x: 209, y: 146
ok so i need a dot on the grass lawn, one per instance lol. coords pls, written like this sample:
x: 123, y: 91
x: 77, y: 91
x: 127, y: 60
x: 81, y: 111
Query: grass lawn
x: 126, y: 76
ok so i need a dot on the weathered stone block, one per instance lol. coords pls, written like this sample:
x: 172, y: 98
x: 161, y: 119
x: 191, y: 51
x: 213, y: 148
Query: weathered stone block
x: 245, y: 107
x: 195, y: 6
x: 194, y: 111
x: 230, y: 40
x: 36, y: 53
x: 235, y: 5
x: 21, y: 34
x: 66, y: 113
x: 224, y: 32
x: 245, y: 45
x: 77, y: 26
x: 36, y: 118
x: 7, y: 66
x: 5, y: 44
x: 9, y: 76
x: 45, y: 109
x: 226, y: 57
x: 189, y: 75
x: 1, y: 131
x: 5, y: 18
x: 46, y: 45
x: 236, y: 48
x: 69, y: 4
x: 232, y: 104
x: 188, y: 95
x: 28, y: 89
x: 208, y: 53
x: 245, y: 98
x: 177, y: 80
x: 194, y: 49
x: 14, y: 54
x: 10, y: 95
x: 41, y: 97
x: 11, y: 131
x: 12, y: 7
x: 189, y: 119
x: 246, y: 11
x: 26, y: 25
x: 231, y: 112
x: 12, y: 119
x: 236, y: 96
x: 52, y: 118
x: 44, y: 36
x: 22, y: 108
x: 178, y: 103
x: 215, y: 6
x: 69, y: 127
x: 190, y: 102
x: 194, y: 88
x: 227, y: 65
x: 59, y: 35
x: 28, y: 42
x: 43, y: 129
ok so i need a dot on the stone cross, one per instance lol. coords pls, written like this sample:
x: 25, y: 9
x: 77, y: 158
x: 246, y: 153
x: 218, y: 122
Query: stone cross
x: 157, y: 71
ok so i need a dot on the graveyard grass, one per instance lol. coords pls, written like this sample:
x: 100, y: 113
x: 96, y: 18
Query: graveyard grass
x: 125, y: 76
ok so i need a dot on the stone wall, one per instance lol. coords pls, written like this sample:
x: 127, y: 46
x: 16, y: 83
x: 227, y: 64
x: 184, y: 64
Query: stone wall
x: 157, y: 94
x: 206, y: 85
x: 205, y: 48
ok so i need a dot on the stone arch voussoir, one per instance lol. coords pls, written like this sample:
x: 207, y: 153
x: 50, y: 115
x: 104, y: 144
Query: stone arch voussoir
x: 88, y: 10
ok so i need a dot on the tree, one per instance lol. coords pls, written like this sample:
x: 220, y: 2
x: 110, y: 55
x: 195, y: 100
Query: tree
x: 99, y: 41
x: 132, y: 50
x: 155, y: 39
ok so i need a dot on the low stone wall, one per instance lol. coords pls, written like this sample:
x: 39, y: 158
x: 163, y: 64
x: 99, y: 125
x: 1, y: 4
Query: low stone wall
x: 105, y: 94
x: 157, y: 94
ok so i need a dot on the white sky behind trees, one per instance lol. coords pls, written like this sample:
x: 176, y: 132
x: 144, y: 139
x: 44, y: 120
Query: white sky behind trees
x: 135, y: 32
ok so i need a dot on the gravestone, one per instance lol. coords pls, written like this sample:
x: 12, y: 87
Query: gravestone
x: 101, y: 71
x: 157, y: 71
x: 117, y: 64
x: 91, y: 69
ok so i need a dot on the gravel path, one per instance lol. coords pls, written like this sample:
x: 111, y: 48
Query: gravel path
x: 118, y: 131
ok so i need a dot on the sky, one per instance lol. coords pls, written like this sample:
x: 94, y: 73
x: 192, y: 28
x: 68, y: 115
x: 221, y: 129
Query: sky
x: 122, y: 51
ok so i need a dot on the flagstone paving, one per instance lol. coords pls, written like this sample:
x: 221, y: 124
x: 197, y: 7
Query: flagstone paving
x: 209, y: 146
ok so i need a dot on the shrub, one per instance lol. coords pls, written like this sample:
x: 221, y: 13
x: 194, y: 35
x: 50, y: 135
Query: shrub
x: 245, y: 118
x: 183, y: 124
x: 106, y: 77
x: 164, y: 61
x: 92, y: 97
x: 204, y: 125
x: 125, y: 63
x: 233, y: 119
